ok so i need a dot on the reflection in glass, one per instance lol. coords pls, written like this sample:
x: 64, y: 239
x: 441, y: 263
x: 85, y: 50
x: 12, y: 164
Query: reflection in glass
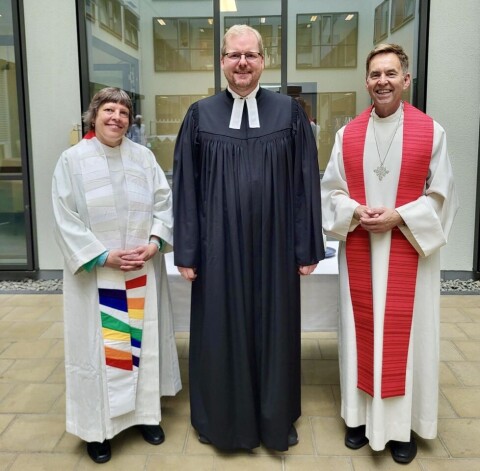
x: 381, y: 21
x: 165, y: 56
x: 327, y: 40
x: 13, y: 239
x: 183, y: 44
x: 402, y: 12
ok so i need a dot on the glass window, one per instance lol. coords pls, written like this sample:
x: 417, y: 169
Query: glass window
x: 14, y: 212
x: 111, y: 16
x: 175, y: 59
x: 326, y: 40
x: 131, y: 28
x: 402, y: 12
x: 183, y: 44
x: 381, y: 21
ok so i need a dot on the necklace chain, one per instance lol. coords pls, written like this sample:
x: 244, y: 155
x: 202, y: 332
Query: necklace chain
x: 381, y: 171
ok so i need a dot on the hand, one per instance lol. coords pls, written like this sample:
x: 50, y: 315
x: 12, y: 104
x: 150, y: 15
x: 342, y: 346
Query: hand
x: 360, y: 211
x: 125, y: 260
x: 142, y: 252
x: 306, y: 270
x: 380, y: 220
x: 187, y: 273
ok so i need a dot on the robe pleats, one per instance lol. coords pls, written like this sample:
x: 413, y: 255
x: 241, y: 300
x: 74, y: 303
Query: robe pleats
x: 247, y: 214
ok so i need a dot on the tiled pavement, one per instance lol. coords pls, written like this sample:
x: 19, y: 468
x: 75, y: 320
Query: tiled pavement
x: 32, y: 403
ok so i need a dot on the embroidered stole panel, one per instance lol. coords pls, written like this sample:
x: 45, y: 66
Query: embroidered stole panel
x: 403, y: 262
x: 121, y: 294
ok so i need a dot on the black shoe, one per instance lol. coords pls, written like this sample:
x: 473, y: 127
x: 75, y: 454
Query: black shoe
x: 403, y: 452
x: 355, y: 437
x: 203, y: 439
x: 292, y: 436
x: 152, y: 434
x: 99, y: 452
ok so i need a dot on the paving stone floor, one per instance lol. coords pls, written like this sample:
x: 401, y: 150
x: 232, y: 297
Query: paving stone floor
x: 32, y: 404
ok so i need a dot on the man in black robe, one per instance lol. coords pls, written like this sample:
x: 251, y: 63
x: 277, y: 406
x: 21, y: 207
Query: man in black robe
x: 247, y: 223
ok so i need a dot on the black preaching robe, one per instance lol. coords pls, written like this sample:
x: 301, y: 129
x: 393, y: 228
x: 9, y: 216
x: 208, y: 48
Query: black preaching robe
x: 247, y: 213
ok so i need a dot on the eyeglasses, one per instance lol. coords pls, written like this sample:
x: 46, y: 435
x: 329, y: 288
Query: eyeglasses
x: 249, y: 56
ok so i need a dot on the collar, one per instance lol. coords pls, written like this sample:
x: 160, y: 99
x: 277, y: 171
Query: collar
x: 237, y: 110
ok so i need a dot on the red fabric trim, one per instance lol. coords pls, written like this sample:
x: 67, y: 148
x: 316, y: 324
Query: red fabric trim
x: 136, y: 282
x: 358, y: 253
x: 403, y: 263
x: 121, y: 364
x: 89, y: 135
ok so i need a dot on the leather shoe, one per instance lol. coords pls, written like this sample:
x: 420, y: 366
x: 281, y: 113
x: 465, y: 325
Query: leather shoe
x: 355, y: 437
x: 100, y: 452
x: 152, y: 434
x: 403, y: 452
x: 292, y: 436
x: 203, y: 439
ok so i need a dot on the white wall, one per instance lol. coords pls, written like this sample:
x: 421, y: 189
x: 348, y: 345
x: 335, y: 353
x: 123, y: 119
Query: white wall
x: 453, y: 99
x: 54, y: 95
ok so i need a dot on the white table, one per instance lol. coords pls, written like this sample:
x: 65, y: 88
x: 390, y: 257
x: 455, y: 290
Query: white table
x: 319, y: 296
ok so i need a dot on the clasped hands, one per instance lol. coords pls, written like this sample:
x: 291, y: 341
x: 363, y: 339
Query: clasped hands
x: 377, y: 220
x: 131, y: 260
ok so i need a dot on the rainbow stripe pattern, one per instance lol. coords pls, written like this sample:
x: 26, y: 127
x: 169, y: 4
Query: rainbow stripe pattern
x: 122, y: 312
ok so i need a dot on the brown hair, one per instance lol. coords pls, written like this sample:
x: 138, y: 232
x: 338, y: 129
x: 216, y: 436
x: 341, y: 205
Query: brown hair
x: 385, y: 49
x: 107, y: 95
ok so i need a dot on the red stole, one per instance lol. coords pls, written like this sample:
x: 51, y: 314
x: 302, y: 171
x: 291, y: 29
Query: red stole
x: 403, y: 262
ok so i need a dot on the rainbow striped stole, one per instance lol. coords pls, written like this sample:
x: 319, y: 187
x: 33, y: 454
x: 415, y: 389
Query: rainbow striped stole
x: 121, y: 294
x: 122, y: 302
x: 403, y: 262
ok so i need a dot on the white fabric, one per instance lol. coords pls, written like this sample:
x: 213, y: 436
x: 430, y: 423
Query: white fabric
x: 427, y: 223
x: 237, y: 109
x: 319, y: 296
x: 86, y: 394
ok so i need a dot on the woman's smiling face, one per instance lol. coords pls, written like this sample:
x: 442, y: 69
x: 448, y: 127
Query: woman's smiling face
x: 111, y: 123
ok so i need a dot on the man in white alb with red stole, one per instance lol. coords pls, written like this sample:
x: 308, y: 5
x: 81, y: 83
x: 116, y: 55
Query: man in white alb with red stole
x: 388, y: 196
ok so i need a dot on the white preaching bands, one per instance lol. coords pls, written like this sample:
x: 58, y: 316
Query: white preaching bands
x: 237, y: 110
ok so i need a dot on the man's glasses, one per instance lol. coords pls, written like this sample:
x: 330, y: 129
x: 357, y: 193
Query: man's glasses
x: 249, y: 56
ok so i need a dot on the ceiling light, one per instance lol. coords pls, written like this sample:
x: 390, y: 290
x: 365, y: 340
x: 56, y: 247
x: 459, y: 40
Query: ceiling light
x: 228, y: 5
x: 313, y: 18
x: 161, y: 22
x: 349, y: 17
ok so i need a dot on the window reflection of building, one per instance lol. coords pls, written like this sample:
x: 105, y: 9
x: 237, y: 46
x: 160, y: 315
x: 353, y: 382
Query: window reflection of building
x: 14, y: 212
x: 166, y: 59
x: 183, y: 44
x: 110, y: 13
x: 381, y: 21
x: 270, y: 28
x: 402, y: 12
x: 131, y: 28
x: 326, y: 40
x: 169, y: 112
x: 334, y: 110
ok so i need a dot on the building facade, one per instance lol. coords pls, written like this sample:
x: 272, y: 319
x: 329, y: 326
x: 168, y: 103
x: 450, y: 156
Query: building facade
x: 55, y: 54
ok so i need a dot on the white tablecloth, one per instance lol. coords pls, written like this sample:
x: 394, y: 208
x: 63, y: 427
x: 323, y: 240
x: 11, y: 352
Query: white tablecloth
x: 319, y: 296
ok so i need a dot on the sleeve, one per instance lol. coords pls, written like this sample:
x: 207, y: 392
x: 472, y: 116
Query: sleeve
x: 309, y: 247
x: 162, y: 226
x: 76, y: 241
x: 185, y: 206
x: 337, y: 206
x: 428, y: 219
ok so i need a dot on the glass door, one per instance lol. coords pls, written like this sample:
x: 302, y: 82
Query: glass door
x: 15, y: 227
